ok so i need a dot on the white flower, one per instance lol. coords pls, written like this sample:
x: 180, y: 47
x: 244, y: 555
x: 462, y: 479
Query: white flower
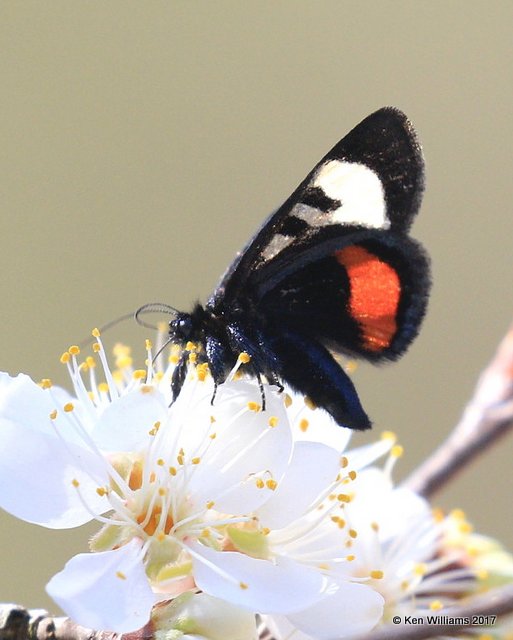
x: 198, y: 616
x: 411, y: 556
x: 219, y: 496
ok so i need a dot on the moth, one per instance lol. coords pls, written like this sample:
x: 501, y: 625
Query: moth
x: 332, y: 272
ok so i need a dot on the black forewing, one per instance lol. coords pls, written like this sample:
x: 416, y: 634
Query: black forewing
x: 384, y: 142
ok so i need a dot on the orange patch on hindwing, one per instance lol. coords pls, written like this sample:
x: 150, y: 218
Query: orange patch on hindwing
x: 375, y: 291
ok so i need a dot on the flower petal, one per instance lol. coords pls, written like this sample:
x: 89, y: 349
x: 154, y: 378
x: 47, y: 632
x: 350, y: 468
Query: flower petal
x: 315, y: 424
x: 347, y: 609
x: 312, y: 468
x: 24, y: 402
x: 245, y: 447
x: 106, y: 591
x: 37, y: 472
x: 258, y: 585
x: 125, y: 423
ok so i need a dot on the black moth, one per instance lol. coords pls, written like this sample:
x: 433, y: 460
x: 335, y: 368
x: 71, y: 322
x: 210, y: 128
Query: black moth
x: 332, y: 271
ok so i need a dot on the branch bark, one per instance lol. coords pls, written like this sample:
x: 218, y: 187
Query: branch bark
x: 487, y: 418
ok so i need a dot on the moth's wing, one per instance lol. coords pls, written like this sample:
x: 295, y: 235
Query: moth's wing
x: 308, y: 367
x: 362, y: 293
x: 373, y: 178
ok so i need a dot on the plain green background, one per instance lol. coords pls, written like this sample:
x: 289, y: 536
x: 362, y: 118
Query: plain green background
x: 142, y: 143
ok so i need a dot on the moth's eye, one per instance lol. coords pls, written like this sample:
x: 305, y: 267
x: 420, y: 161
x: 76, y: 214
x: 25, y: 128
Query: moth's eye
x: 182, y: 327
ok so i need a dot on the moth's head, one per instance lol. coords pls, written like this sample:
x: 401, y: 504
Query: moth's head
x: 187, y: 326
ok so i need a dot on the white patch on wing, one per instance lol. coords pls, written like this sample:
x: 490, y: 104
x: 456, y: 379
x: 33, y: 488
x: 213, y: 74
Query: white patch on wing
x: 278, y: 242
x: 359, y: 190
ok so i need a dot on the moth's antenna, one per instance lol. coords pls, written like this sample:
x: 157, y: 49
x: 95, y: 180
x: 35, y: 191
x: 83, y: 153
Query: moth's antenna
x: 170, y: 339
x: 105, y: 327
x: 153, y: 307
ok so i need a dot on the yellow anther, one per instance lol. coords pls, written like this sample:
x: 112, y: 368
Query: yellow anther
x: 266, y: 531
x: 210, y: 504
x: 160, y: 462
x: 74, y: 350
x: 161, y: 536
x: 97, y: 347
x: 350, y: 558
x: 65, y: 358
x: 340, y: 522
x: 352, y: 475
x: 420, y: 569
x: 436, y: 605
x: 120, y: 575
x: 146, y: 388
x: 303, y: 424
x: 68, y: 407
x: 174, y: 359
x: 243, y: 585
x: 310, y: 403
x: 388, y: 435
x: 201, y: 374
x: 352, y: 533
x: 53, y: 414
x: 287, y: 400
x: 212, y: 419
x: 458, y: 514
x: 438, y: 514
x: 323, y: 566
x: 101, y: 491
x: 244, y: 357
x: 191, y: 346
x: 343, y: 497
x: 397, y: 451
x: 260, y: 483
x: 95, y: 333
x: 254, y: 406
x: 482, y: 574
x: 149, y: 344
x: 273, y: 421
x: 405, y: 585
x: 172, y: 471
x: 375, y: 526
x: 196, y: 460
x: 179, y: 459
x: 213, y: 436
x: 91, y: 362
x: 75, y: 483
x: 271, y: 484
x: 377, y: 575
x: 162, y: 491
x: 465, y: 527
x: 344, y: 462
x: 103, y: 387
x: 139, y: 374
x: 193, y: 357
x: 46, y: 383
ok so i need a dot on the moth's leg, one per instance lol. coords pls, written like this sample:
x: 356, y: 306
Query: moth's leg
x: 252, y: 343
x: 218, y: 358
x: 179, y: 373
